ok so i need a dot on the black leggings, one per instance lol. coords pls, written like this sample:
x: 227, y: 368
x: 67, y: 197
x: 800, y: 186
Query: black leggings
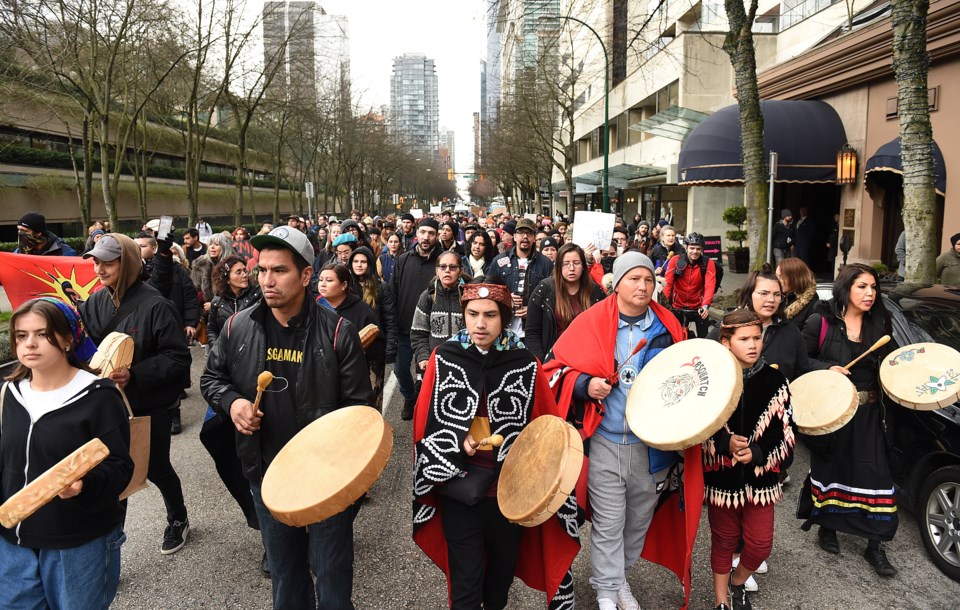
x: 218, y: 436
x: 482, y: 549
x: 161, y: 472
x: 686, y: 316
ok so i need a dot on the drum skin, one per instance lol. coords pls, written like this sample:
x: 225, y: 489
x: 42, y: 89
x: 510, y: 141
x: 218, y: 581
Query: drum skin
x: 823, y: 402
x: 369, y: 334
x: 684, y: 394
x: 327, y: 466
x: 922, y: 376
x: 540, y: 471
x: 114, y: 352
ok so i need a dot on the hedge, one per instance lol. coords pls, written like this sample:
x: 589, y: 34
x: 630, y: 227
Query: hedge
x: 24, y: 155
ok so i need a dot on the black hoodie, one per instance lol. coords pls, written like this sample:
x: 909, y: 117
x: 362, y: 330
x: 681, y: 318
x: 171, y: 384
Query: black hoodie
x: 97, y: 411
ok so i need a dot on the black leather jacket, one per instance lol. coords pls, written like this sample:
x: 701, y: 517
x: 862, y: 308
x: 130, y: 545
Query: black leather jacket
x: 333, y: 374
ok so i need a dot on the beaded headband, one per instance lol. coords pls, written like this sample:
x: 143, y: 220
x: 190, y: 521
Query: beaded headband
x: 496, y: 292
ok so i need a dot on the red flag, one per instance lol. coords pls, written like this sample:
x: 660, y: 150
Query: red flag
x: 25, y: 276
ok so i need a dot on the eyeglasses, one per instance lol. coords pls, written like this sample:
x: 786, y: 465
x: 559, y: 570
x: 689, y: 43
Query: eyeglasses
x: 766, y: 295
x: 571, y: 265
x: 448, y: 267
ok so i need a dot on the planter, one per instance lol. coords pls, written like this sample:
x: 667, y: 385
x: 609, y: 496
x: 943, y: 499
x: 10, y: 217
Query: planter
x: 738, y: 261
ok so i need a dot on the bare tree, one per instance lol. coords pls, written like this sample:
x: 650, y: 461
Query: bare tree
x: 739, y: 45
x: 910, y: 63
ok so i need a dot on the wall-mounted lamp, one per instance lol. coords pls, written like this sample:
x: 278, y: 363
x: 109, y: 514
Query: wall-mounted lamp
x: 846, y: 165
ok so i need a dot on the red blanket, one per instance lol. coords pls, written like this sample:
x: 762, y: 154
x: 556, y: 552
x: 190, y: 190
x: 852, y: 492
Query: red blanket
x: 546, y: 551
x: 588, y: 346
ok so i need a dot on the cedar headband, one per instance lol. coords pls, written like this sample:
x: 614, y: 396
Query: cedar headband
x: 496, y: 292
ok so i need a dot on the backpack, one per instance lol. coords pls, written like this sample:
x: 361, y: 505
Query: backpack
x: 682, y: 265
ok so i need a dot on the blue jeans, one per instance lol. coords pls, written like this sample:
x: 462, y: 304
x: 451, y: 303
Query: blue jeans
x: 326, y: 548
x: 86, y: 576
x: 401, y: 368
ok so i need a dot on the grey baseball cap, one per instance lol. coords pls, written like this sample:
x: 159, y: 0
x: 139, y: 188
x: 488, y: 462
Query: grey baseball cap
x: 107, y: 249
x: 288, y: 237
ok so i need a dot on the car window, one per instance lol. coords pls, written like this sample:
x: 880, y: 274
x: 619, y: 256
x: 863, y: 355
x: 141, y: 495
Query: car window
x: 940, y: 326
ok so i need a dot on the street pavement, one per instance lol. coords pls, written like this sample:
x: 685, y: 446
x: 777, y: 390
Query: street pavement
x: 219, y: 566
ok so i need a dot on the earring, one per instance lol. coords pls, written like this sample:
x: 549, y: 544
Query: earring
x: 66, y: 349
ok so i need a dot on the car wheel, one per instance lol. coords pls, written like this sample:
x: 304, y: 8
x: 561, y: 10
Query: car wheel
x: 939, y: 519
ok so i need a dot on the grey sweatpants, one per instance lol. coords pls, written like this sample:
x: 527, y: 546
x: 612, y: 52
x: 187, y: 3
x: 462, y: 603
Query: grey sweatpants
x: 623, y: 496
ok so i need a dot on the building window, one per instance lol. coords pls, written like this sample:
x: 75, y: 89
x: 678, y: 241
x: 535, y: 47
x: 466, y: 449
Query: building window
x: 619, y: 60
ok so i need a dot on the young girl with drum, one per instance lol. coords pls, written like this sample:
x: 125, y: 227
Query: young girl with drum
x: 851, y: 486
x: 373, y: 291
x: 741, y: 463
x: 557, y: 300
x: 483, y: 382
x: 67, y: 554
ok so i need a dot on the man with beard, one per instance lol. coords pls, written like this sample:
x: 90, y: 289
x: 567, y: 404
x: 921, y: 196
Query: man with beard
x: 690, y: 283
x: 407, y: 232
x: 522, y: 267
x: 411, y: 276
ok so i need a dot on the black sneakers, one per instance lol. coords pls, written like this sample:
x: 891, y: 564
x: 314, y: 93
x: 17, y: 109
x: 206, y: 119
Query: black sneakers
x: 264, y: 566
x: 406, y: 414
x: 877, y: 557
x: 175, y: 427
x: 174, y: 537
x: 738, y: 595
x: 828, y: 540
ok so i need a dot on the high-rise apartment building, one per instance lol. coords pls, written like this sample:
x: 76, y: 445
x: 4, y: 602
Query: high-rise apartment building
x: 313, y: 46
x: 414, y: 118
x: 448, y: 148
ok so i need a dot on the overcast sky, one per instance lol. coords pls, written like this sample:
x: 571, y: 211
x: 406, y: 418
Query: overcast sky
x: 451, y: 32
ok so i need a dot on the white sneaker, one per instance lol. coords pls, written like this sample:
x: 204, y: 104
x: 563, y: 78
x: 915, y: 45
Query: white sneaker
x: 761, y: 570
x: 606, y: 604
x: 751, y: 584
x: 625, y: 598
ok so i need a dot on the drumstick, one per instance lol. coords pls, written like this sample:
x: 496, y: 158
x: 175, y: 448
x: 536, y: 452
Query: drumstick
x: 263, y: 380
x: 616, y: 375
x: 775, y: 366
x: 494, y: 440
x: 880, y: 343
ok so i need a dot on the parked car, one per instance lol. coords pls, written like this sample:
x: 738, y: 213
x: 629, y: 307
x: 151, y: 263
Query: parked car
x: 925, y: 445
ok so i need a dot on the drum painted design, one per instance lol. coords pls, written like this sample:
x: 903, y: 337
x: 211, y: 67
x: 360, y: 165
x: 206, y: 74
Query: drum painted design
x: 327, y: 466
x: 115, y: 352
x: 823, y: 402
x: 922, y: 376
x: 684, y: 394
x: 540, y: 471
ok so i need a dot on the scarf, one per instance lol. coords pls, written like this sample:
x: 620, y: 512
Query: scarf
x: 588, y: 346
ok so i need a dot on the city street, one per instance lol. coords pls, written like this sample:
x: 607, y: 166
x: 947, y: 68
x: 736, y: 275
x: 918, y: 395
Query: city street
x: 219, y: 566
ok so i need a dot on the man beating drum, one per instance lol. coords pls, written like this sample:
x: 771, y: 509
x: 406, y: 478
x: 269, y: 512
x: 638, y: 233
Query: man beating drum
x: 291, y: 337
x: 592, y: 368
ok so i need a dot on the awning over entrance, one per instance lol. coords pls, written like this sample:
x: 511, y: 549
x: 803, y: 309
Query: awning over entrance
x: 674, y: 123
x: 888, y: 159
x: 806, y: 134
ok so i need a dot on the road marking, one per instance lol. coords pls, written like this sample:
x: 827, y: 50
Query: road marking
x: 389, y: 389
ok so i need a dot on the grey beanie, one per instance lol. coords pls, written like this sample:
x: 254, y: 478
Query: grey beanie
x: 784, y: 213
x: 627, y: 261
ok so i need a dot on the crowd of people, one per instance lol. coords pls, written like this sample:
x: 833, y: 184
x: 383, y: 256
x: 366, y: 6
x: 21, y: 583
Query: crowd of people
x: 453, y: 296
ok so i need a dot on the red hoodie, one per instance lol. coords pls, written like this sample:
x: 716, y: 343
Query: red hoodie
x: 691, y: 290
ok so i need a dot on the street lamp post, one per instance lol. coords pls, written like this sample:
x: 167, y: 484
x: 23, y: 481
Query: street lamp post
x: 606, y: 108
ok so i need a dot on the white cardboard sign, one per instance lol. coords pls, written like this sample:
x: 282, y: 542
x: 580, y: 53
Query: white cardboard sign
x: 593, y: 228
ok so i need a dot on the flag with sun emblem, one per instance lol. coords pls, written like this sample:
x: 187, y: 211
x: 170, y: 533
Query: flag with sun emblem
x: 26, y: 277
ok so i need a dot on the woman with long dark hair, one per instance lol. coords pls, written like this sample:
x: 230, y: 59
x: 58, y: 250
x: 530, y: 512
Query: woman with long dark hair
x: 480, y: 253
x: 850, y: 486
x: 438, y: 316
x: 799, y: 289
x: 557, y: 300
x: 67, y: 554
x: 377, y: 295
x: 388, y: 258
x: 334, y: 285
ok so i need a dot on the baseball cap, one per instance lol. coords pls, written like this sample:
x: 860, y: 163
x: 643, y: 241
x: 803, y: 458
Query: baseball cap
x: 526, y: 223
x: 107, y: 249
x: 288, y: 237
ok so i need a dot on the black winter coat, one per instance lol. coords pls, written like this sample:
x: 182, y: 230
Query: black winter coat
x: 173, y: 282
x: 227, y: 304
x: 358, y: 313
x: 411, y: 276
x: 161, y: 358
x: 541, y: 328
x: 333, y: 373
x: 784, y: 346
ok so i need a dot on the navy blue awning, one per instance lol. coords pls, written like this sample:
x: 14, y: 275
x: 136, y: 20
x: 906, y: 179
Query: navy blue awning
x: 888, y: 159
x: 806, y: 135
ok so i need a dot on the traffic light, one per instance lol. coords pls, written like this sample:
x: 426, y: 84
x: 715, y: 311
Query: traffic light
x: 450, y: 175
